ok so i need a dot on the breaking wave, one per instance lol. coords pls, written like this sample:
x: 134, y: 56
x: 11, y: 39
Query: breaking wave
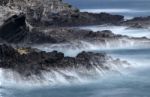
x: 128, y: 13
x: 73, y: 48
x: 58, y: 77
x: 123, y: 30
x: 113, y: 10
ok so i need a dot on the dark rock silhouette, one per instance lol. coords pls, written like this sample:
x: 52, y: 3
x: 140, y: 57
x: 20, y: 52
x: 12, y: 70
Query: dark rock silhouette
x: 14, y: 29
x: 27, y: 61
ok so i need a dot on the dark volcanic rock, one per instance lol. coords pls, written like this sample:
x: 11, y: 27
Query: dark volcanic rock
x: 4, y: 2
x: 136, y: 25
x: 14, y: 29
x: 82, y: 18
x: 34, y: 61
x: 100, y: 34
x: 89, y: 59
x: 137, y: 22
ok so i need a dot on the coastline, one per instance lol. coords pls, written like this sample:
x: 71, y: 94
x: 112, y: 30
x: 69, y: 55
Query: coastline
x: 24, y: 30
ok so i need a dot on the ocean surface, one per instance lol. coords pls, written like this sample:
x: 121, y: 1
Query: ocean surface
x: 133, y: 81
x: 128, y: 8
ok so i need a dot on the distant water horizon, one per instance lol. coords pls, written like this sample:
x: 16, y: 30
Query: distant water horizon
x: 128, y: 8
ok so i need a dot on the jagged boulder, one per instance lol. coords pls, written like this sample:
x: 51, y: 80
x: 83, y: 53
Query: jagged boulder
x: 89, y: 59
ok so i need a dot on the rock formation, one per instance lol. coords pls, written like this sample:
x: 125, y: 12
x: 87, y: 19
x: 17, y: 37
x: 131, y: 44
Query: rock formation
x: 137, y: 22
x: 15, y: 30
x: 57, y: 13
x: 27, y: 61
x: 32, y: 22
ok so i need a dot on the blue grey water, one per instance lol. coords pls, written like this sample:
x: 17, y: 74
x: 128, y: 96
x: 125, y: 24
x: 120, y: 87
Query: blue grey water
x: 128, y: 8
x: 132, y: 82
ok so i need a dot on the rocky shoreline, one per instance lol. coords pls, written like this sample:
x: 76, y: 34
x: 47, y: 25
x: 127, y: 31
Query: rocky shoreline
x: 15, y: 30
x: 15, y: 36
x: 28, y: 61
x: 36, y: 24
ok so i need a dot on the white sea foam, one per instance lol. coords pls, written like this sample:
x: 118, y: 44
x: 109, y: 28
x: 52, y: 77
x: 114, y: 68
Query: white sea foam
x: 72, y: 49
x: 58, y: 77
x: 113, y: 10
x: 52, y: 78
x: 123, y: 30
x: 127, y: 13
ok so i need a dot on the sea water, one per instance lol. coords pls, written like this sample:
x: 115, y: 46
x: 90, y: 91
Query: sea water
x: 129, y: 82
x: 128, y: 8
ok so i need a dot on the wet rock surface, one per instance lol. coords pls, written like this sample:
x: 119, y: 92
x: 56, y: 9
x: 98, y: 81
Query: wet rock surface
x: 137, y: 22
x: 31, y: 22
x: 35, y: 61
x: 15, y: 30
x: 82, y: 18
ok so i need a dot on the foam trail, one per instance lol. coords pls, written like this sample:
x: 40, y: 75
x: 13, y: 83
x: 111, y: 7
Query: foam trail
x: 123, y: 30
x: 113, y: 10
x: 72, y: 49
x: 127, y: 13
x: 69, y: 49
x: 58, y: 77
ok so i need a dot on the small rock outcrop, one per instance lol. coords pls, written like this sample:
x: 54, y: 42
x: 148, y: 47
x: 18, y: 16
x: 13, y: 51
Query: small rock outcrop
x: 137, y: 22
